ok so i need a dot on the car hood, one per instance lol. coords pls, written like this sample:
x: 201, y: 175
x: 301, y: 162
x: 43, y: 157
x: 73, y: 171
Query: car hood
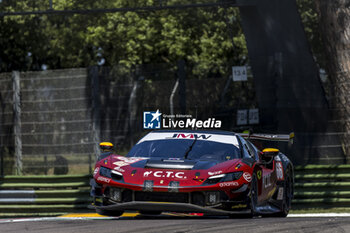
x: 164, y: 171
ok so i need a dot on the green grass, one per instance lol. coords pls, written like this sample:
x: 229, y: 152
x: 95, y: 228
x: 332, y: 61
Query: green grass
x: 319, y: 210
x: 43, y: 185
x: 317, y: 166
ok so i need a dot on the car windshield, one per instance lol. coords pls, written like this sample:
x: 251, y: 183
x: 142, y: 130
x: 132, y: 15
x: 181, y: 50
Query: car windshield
x: 176, y: 149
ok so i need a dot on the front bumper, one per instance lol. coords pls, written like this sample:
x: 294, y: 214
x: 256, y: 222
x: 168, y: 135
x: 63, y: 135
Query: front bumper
x: 209, y: 201
x: 168, y: 207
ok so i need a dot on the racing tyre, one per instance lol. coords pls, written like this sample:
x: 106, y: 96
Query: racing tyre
x: 253, y: 195
x: 145, y: 212
x: 253, y: 200
x: 109, y: 212
x: 287, y: 195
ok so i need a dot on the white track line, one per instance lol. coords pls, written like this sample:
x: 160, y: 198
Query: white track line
x: 319, y: 215
x: 54, y: 219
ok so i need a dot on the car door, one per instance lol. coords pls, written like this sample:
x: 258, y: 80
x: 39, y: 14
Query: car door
x: 266, y: 175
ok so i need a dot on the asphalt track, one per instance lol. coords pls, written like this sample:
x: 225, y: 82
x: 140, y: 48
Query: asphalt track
x: 177, y: 223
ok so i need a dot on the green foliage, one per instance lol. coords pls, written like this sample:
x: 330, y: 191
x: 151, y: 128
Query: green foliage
x: 210, y: 40
x: 200, y: 36
x: 309, y: 17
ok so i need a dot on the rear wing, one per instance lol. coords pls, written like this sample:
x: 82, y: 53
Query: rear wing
x: 269, y: 137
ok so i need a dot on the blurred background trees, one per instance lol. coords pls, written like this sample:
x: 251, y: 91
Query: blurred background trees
x: 198, y: 36
x: 334, y: 24
x: 207, y: 38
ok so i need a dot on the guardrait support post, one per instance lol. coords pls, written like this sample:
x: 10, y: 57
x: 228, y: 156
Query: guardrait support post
x: 17, y: 121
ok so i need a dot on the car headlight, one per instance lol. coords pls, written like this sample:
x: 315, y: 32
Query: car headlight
x: 232, y: 176
x: 223, y: 177
x: 105, y: 172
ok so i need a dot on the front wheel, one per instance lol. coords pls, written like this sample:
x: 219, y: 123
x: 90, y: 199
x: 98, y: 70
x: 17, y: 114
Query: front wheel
x: 252, y: 202
x: 109, y: 212
x: 253, y: 195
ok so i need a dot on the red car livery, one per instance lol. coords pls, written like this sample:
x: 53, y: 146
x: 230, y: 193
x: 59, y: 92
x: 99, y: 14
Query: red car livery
x: 210, y: 172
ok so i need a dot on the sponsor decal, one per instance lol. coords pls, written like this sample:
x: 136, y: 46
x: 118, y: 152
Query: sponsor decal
x: 126, y: 161
x: 151, y: 120
x: 227, y: 139
x: 247, y: 176
x: 105, y: 162
x: 280, y: 194
x: 267, y: 180
x: 214, y: 173
x: 167, y: 174
x: 129, y: 160
x: 119, y: 169
x: 104, y: 179
x: 258, y: 174
x: 279, y: 171
x: 96, y: 170
x: 190, y: 136
x: 239, y: 206
x: 146, y: 174
x: 228, y: 184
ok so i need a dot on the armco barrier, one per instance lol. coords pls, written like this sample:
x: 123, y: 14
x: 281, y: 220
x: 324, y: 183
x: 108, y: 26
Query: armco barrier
x: 316, y: 187
x: 44, y: 195
x: 322, y: 187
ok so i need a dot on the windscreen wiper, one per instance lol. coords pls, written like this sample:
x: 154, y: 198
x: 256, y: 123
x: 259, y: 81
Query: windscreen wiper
x: 190, y: 148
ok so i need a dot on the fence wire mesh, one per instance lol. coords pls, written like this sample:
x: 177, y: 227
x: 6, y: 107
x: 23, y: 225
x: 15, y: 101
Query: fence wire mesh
x: 64, y: 114
x: 56, y: 121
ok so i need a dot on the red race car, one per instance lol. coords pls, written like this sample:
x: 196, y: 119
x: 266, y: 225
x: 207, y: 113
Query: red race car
x: 189, y: 171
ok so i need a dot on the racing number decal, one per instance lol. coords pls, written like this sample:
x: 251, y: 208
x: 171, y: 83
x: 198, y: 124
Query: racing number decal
x: 279, y: 171
x: 168, y: 174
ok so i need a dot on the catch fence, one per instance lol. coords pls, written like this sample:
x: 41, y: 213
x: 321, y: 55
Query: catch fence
x: 51, y: 122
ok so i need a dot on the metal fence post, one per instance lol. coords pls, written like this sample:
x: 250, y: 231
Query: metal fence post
x: 95, y: 85
x: 171, y: 99
x: 17, y: 121
x: 132, y: 106
x: 181, y: 73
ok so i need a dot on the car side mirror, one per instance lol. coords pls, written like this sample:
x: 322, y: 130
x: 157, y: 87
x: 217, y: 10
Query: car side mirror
x: 106, y: 146
x: 270, y: 152
x: 267, y: 156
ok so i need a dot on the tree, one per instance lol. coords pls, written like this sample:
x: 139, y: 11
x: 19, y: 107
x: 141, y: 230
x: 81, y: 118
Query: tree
x: 334, y: 20
x: 200, y: 36
x: 309, y: 17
